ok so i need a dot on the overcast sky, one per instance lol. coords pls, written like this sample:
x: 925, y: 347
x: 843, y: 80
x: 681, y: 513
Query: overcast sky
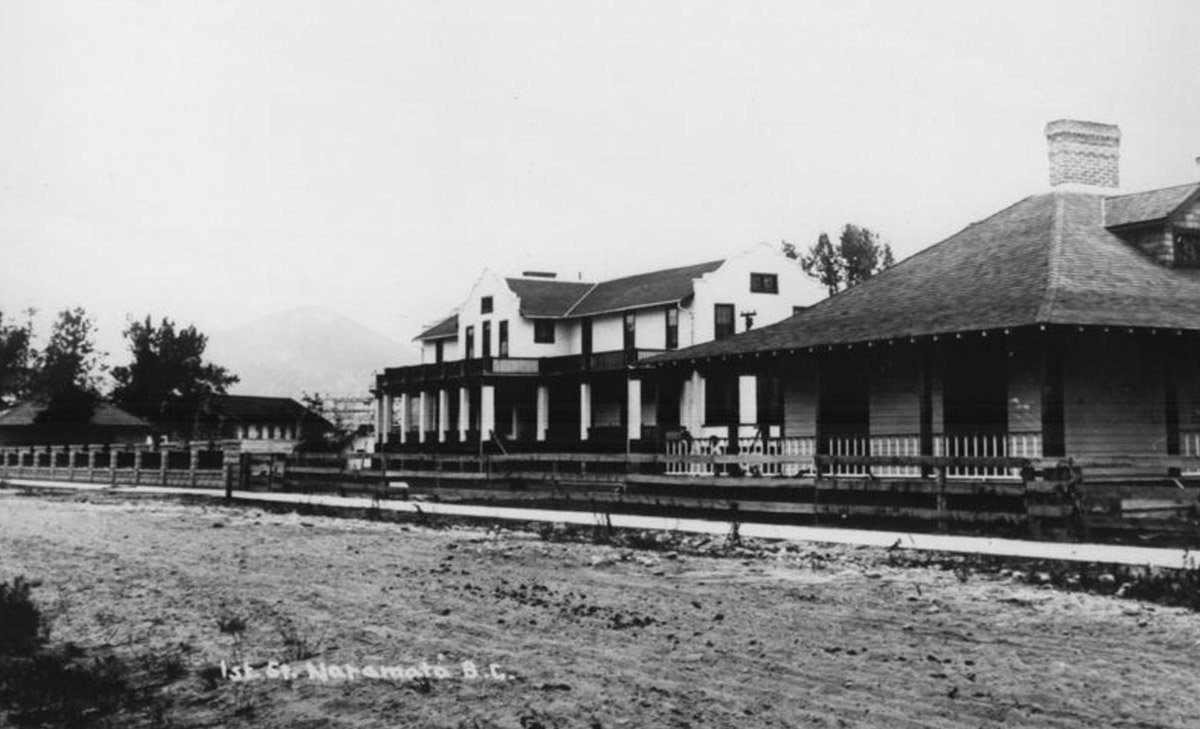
x: 219, y: 161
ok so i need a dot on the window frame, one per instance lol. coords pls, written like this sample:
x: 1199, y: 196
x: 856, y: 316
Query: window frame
x: 629, y: 331
x: 540, y: 329
x: 485, y: 339
x: 671, y: 337
x: 764, y: 283
x: 718, y: 332
x: 1192, y: 237
x: 502, y: 339
x: 486, y: 305
x: 469, y: 345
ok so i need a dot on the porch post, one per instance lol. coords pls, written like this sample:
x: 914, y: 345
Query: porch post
x: 443, y: 415
x: 543, y: 412
x: 633, y: 428
x: 422, y: 416
x: 487, y: 411
x: 379, y: 434
x: 747, y: 400
x: 404, y: 406
x: 464, y: 413
x: 585, y: 409
x: 387, y: 418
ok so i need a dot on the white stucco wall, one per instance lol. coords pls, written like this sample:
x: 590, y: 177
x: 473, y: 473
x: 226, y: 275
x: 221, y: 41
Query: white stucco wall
x: 730, y: 284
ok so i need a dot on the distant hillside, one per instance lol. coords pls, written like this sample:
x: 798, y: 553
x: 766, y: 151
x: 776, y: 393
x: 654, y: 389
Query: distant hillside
x: 308, y: 349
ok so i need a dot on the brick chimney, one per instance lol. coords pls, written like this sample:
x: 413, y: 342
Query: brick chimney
x: 1083, y: 153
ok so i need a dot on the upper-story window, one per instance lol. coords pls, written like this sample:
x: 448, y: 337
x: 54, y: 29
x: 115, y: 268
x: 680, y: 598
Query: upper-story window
x: 1187, y: 247
x: 504, y: 338
x: 630, y: 330
x: 723, y: 321
x: 470, y: 343
x: 485, y: 305
x: 764, y: 283
x: 672, y: 328
x: 439, y: 350
x: 585, y: 336
x: 485, y: 344
x: 543, y: 331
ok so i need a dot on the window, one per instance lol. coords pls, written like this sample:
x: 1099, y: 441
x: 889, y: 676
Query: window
x: 504, y: 338
x: 470, y: 347
x: 485, y: 344
x: 585, y: 337
x: 1187, y: 248
x: 485, y: 305
x: 672, y: 328
x: 630, y: 330
x: 439, y: 350
x: 723, y: 321
x: 764, y: 283
x: 543, y: 331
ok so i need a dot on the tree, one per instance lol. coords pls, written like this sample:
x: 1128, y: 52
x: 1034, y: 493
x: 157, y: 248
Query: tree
x: 69, y: 368
x: 67, y: 372
x: 17, y: 359
x: 168, y: 380
x: 858, y: 256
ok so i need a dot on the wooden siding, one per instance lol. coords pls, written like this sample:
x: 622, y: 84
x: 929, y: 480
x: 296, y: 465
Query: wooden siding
x: 1024, y: 388
x: 1114, y: 397
x: 800, y: 397
x: 895, y: 392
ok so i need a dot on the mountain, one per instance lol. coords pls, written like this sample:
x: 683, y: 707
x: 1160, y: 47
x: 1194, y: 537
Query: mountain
x: 307, y: 349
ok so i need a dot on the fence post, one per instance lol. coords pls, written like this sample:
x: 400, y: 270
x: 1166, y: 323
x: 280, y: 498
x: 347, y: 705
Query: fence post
x: 163, y: 457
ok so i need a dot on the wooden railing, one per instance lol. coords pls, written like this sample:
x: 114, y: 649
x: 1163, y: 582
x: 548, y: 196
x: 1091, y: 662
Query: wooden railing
x: 987, y: 445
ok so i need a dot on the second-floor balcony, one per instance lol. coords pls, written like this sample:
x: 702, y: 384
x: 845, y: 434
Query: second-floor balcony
x: 617, y: 359
x: 439, y: 372
x: 457, y: 370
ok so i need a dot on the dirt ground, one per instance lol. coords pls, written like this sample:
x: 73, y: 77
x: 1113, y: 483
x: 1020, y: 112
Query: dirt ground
x: 467, y: 627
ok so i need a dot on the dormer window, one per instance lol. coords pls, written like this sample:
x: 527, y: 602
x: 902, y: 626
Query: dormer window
x: 1187, y: 247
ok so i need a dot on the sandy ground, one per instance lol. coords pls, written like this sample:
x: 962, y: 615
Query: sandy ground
x: 579, y: 635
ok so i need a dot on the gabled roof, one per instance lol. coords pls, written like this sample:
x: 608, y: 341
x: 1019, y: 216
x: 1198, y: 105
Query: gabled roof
x: 547, y: 298
x: 1048, y: 259
x: 444, y: 329
x: 1146, y: 207
x: 105, y: 415
x: 657, y: 287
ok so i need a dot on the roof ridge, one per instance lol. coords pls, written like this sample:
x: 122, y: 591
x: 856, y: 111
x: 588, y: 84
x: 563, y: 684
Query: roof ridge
x: 579, y: 301
x: 1156, y: 189
x: 1053, y: 274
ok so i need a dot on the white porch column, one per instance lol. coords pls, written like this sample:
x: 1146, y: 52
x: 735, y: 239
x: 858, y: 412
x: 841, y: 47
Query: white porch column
x: 464, y: 413
x: 633, y: 420
x: 422, y: 416
x: 585, y: 409
x: 543, y: 412
x: 404, y: 406
x: 443, y: 426
x: 487, y: 411
x: 387, y: 418
x: 747, y: 400
x: 691, y: 410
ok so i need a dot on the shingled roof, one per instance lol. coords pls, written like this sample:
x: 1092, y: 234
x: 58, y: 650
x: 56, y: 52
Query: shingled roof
x: 644, y: 289
x: 255, y: 408
x: 104, y: 415
x: 547, y: 298
x: 1145, y: 207
x: 1048, y: 259
x: 445, y: 328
